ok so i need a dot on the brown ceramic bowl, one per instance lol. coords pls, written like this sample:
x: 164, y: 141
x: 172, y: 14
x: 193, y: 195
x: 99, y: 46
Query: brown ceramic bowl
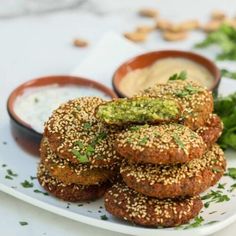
x: 22, y: 130
x: 147, y: 59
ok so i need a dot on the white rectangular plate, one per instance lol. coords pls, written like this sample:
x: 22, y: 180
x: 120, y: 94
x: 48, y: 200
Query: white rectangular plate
x: 25, y: 165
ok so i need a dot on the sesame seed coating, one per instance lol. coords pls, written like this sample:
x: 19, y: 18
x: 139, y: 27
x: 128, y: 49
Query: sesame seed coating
x: 211, y: 130
x: 196, y: 101
x: 129, y: 205
x: 75, y: 134
x: 69, y: 192
x: 177, y: 180
x: 163, y: 144
x: 68, y: 173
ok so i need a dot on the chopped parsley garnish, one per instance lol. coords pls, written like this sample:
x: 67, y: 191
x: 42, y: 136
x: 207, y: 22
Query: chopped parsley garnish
x: 80, y: 205
x: 221, y: 186
x: 197, y: 222
x: 11, y: 173
x: 27, y: 184
x: 188, y: 90
x: 231, y: 172
x: 143, y: 141
x: 79, y: 144
x: 104, y: 217
x: 87, y: 126
x: 4, y: 165
x: 80, y: 157
x: 178, y: 141
x: 33, y: 177
x: 36, y: 100
x: 23, y: 223
x: 8, y: 177
x: 181, y: 76
x: 232, y: 187
x: 134, y: 128
x: 211, y: 222
x: 38, y: 191
x: 215, y: 196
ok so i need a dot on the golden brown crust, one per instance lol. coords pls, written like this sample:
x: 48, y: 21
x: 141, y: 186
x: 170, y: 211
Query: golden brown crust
x: 76, y: 135
x: 163, y: 144
x: 197, y: 102
x: 211, y: 130
x: 129, y: 205
x: 176, y: 180
x: 68, y: 173
x: 69, y: 192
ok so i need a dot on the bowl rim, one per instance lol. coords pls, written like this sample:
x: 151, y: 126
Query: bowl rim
x: 176, y: 53
x: 62, y: 80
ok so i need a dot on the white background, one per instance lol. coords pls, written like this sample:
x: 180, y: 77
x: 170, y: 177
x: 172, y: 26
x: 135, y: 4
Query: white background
x: 37, y: 45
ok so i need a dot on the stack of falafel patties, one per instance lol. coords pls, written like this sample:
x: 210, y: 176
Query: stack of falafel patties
x: 170, y: 155
x: 78, y: 161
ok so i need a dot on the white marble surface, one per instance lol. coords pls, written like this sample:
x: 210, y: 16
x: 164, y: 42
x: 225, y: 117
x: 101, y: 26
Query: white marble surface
x: 36, y: 45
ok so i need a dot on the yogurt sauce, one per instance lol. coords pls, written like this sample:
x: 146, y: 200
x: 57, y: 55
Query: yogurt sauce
x: 36, y: 105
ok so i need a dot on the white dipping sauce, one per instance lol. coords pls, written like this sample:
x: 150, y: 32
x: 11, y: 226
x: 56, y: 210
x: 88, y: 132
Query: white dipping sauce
x: 36, y: 105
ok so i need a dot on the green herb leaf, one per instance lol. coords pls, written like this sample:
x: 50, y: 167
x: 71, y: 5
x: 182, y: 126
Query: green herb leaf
x: 87, y: 126
x: 79, y: 143
x: 178, y: 141
x: 232, y: 187
x: 224, y: 38
x: 229, y: 74
x: 23, y: 223
x: 231, y: 172
x: 197, y: 222
x: 221, y: 186
x: 104, y: 217
x: 8, y: 177
x: 10, y: 172
x: 38, y: 191
x: 181, y: 76
x: 27, y: 184
x: 143, y: 141
x: 80, y: 157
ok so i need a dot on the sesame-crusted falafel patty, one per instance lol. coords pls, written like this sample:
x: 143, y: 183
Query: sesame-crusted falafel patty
x: 129, y: 205
x: 196, y: 101
x: 211, y: 130
x: 163, y: 144
x: 170, y: 181
x: 68, y: 173
x: 75, y: 134
x: 69, y: 192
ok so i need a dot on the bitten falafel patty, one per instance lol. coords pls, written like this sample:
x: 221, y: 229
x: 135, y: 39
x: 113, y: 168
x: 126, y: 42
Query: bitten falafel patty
x: 68, y: 173
x: 163, y: 144
x: 69, y: 192
x: 75, y: 134
x: 170, y: 181
x: 139, y: 110
x: 125, y: 203
x: 196, y: 101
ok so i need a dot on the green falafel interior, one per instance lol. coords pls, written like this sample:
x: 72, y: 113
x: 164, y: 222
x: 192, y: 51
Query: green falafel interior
x: 138, y: 110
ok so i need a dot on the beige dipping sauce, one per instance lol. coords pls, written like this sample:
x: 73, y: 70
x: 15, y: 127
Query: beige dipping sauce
x: 160, y: 71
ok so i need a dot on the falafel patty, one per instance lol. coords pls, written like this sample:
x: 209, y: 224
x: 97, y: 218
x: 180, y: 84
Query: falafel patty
x: 163, y: 144
x: 129, y: 205
x: 67, y: 172
x: 75, y: 134
x: 211, y: 130
x: 170, y: 181
x: 196, y: 101
x: 69, y: 192
x: 139, y: 110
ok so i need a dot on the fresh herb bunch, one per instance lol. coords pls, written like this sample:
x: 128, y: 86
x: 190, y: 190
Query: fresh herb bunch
x: 229, y: 74
x: 225, y: 107
x: 225, y: 38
